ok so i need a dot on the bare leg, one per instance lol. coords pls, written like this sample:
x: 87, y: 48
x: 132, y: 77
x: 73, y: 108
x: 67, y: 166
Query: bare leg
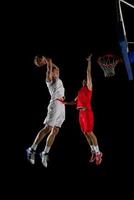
x: 90, y: 142
x: 51, y: 136
x: 88, y: 139
x: 31, y: 150
x: 93, y: 138
x: 98, y: 154
x: 41, y: 134
x: 49, y: 143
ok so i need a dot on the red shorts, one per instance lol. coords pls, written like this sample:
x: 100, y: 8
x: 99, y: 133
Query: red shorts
x: 86, y: 120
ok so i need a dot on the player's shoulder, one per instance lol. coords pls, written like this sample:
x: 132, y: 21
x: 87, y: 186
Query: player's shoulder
x: 49, y: 82
x: 88, y: 88
x: 59, y: 80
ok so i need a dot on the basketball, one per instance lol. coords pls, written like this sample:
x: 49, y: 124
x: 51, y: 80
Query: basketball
x: 40, y: 61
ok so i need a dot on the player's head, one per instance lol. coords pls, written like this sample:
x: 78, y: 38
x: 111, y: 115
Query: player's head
x: 84, y: 82
x: 40, y: 61
x: 55, y: 72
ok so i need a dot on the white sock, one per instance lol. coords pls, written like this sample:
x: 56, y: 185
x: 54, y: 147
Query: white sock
x: 92, y: 148
x: 34, y: 147
x: 47, y: 149
x: 96, y: 148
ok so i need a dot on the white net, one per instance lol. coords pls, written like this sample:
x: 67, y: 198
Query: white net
x: 108, y: 64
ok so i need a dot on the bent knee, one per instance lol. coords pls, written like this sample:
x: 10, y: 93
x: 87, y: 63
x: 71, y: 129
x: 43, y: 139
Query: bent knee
x: 55, y: 130
x: 47, y: 128
x: 88, y: 133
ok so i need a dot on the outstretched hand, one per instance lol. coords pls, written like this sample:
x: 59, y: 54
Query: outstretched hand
x: 89, y: 57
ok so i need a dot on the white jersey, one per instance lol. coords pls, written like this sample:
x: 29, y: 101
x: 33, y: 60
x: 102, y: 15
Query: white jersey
x: 56, y: 89
x: 56, y: 109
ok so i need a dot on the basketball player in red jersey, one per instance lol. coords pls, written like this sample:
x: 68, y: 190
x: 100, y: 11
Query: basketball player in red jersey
x: 86, y: 115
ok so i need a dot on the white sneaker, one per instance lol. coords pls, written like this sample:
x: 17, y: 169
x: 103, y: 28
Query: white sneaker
x: 44, y: 158
x: 31, y: 155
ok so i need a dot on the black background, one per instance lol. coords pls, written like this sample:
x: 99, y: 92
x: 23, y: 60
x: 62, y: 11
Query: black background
x: 67, y: 33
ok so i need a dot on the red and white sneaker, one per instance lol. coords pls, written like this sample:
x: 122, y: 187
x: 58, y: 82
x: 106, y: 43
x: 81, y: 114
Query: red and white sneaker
x: 98, y: 158
x: 93, y: 157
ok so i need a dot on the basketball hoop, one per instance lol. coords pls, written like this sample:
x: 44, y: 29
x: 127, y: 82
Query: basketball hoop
x: 108, y: 63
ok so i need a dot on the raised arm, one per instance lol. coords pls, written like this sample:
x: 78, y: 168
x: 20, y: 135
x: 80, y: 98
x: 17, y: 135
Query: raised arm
x: 89, y: 78
x: 49, y: 70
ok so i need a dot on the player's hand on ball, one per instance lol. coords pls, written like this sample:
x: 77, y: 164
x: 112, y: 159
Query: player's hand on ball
x: 39, y: 62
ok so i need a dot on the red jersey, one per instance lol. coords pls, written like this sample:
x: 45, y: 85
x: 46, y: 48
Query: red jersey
x: 84, y: 98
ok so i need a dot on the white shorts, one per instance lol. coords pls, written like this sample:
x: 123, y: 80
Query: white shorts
x: 56, y: 114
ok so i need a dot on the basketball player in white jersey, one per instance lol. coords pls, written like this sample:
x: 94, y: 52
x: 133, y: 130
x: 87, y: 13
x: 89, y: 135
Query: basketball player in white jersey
x: 56, y: 110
